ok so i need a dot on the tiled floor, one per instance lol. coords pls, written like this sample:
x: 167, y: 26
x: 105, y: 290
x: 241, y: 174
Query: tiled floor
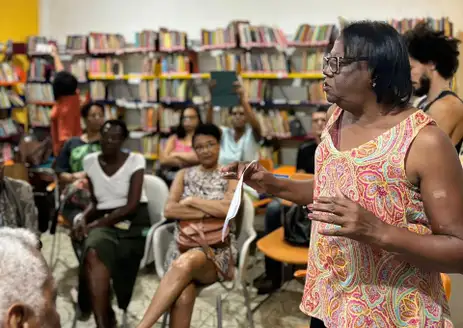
x: 281, y: 310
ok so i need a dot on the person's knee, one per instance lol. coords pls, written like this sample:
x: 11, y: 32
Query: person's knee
x: 273, y: 216
x: 187, y: 297
x: 91, y: 258
x: 188, y: 262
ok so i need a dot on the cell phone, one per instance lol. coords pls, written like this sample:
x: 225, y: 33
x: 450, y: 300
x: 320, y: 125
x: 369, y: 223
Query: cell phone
x: 281, y: 176
x: 223, y: 93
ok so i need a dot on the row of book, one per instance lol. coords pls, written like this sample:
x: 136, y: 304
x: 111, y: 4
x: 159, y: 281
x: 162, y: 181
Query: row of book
x: 39, y: 70
x: 313, y: 35
x: 260, y: 36
x: 97, y: 90
x: 264, y: 62
x: 39, y: 92
x: 175, y: 63
x: 79, y: 69
x: 39, y: 115
x: 219, y: 38
x: 442, y: 24
x: 308, y: 61
x: 105, y: 43
x: 146, y: 39
x: 148, y: 91
x: 8, y: 127
x: 173, y: 91
x: 7, y: 73
x: 9, y: 99
x: 172, y: 40
x: 76, y: 44
x: 150, y: 145
x: 7, y: 151
x: 108, y: 66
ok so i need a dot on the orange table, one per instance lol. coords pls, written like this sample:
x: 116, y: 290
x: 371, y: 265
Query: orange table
x: 274, y: 246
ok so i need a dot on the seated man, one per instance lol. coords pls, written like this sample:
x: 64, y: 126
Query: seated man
x: 17, y: 206
x: 305, y: 164
x: 27, y: 289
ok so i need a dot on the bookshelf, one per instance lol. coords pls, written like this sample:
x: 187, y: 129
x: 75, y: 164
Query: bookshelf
x: 150, y: 79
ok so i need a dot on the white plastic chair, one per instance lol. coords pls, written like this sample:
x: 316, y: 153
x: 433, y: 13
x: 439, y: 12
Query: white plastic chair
x: 157, y: 192
x: 245, y: 236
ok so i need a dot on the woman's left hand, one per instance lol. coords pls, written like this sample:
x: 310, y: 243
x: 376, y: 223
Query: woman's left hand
x: 352, y: 220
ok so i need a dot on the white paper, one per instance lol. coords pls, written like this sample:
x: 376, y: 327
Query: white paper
x: 235, y: 203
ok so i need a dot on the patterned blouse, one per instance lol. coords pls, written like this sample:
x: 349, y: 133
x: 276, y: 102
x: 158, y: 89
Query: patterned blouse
x: 351, y: 284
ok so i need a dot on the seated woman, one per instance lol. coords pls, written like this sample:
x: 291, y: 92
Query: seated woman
x: 112, y: 225
x: 69, y: 163
x: 177, y: 152
x: 197, y: 193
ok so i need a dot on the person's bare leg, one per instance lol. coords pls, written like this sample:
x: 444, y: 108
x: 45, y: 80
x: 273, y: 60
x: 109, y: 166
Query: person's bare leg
x: 98, y: 282
x: 182, y: 310
x: 190, y: 266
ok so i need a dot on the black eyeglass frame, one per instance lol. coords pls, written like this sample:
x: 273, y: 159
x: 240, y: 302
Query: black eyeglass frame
x: 340, y: 61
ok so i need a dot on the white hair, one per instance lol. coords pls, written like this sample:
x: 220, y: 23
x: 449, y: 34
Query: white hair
x: 23, y: 273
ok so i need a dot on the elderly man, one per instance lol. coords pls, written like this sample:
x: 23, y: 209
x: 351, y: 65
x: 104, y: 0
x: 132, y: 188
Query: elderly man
x: 17, y: 206
x: 27, y: 289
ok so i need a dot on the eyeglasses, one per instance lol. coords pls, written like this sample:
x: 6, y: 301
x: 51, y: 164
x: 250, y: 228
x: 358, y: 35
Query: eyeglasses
x: 205, y: 147
x: 237, y: 114
x: 190, y: 118
x: 334, y: 63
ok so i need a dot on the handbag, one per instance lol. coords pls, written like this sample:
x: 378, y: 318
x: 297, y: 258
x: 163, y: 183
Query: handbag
x: 205, y: 234
x: 297, y: 226
x: 34, y: 152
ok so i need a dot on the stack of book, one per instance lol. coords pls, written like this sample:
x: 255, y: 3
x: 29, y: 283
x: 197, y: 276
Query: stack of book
x: 34, y: 44
x: 76, y: 44
x: 172, y: 40
x: 274, y: 123
x: 175, y: 64
x: 261, y: 36
x: 146, y: 40
x: 7, y: 73
x: 103, y: 43
x: 148, y: 91
x: 309, y: 35
x: 219, y: 39
x: 173, y: 91
x: 38, y: 92
x: 263, y: 63
x: 316, y: 95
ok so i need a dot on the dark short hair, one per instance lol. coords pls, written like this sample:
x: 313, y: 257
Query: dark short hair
x: 180, y: 130
x: 387, y: 59
x: 321, y: 109
x: 64, y: 84
x: 85, y: 110
x: 120, y: 123
x: 208, y: 129
x: 429, y: 46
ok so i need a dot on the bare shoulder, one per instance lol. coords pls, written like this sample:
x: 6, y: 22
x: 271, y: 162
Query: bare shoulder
x: 447, y: 106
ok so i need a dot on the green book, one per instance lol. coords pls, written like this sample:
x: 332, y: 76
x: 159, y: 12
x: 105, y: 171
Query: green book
x: 223, y: 91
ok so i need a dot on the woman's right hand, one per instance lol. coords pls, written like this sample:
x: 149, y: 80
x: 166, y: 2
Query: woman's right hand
x: 253, y: 175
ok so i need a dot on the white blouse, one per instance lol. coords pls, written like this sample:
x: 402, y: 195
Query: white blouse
x: 112, y: 191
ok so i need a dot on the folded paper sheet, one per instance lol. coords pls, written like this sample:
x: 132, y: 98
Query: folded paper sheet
x: 235, y: 203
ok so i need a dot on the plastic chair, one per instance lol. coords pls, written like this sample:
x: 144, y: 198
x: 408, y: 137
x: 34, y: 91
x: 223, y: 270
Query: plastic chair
x: 164, y: 235
x: 266, y: 163
x: 157, y: 192
x: 285, y: 170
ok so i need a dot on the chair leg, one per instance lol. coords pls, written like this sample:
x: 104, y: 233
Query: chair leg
x: 219, y: 311
x: 52, y: 252
x: 247, y: 303
x: 125, y: 320
x: 74, y: 320
x: 165, y: 317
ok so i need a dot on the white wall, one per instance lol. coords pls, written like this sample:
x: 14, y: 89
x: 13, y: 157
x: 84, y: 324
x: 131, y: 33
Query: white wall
x: 59, y: 18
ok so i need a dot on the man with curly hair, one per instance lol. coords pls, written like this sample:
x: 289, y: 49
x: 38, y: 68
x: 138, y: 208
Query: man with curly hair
x: 434, y: 62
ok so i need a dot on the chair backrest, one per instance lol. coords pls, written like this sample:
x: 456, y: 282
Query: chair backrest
x: 157, y: 192
x: 285, y: 170
x: 301, y: 176
x: 266, y: 163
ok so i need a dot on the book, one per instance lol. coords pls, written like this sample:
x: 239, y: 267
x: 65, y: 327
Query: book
x: 39, y: 92
x: 223, y: 92
x: 220, y: 38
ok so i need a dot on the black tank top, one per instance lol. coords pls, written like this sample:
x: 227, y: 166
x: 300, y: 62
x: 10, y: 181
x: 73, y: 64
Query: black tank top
x: 425, y: 107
